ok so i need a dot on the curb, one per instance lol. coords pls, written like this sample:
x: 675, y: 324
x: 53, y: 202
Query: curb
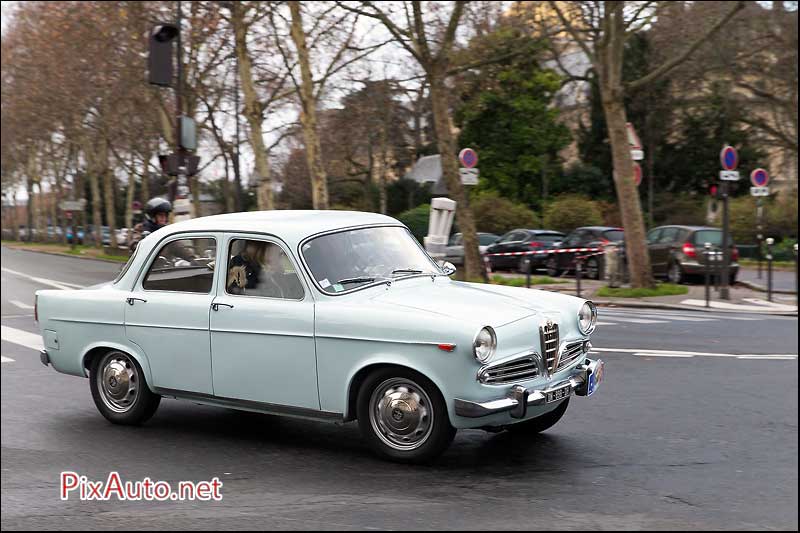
x: 656, y: 305
x: 760, y: 288
x: 62, y: 254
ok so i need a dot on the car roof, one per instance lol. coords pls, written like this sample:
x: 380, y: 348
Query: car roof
x: 290, y: 225
x: 602, y: 228
x: 690, y: 228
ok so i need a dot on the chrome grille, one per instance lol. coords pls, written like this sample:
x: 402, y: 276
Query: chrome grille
x: 519, y: 369
x: 548, y: 332
x: 572, y: 352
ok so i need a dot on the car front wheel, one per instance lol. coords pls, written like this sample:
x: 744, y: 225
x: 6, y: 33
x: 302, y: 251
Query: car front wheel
x: 403, y: 417
x: 119, y: 389
x: 540, y: 423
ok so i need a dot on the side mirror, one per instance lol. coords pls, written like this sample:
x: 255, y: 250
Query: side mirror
x: 447, y: 267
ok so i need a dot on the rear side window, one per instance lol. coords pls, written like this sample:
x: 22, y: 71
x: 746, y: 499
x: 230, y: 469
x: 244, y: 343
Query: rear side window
x: 669, y: 235
x: 614, y: 235
x: 185, y: 265
x: 713, y: 236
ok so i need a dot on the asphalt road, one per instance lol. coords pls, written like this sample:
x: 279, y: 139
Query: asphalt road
x: 672, y: 440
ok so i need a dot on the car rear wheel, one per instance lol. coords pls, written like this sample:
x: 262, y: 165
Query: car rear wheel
x: 119, y: 389
x: 675, y: 273
x: 403, y: 417
x: 540, y: 423
x: 552, y: 267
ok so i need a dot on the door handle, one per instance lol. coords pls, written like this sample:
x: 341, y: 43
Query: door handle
x: 132, y: 300
x: 215, y: 306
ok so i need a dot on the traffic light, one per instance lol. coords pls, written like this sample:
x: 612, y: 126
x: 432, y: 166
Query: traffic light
x: 160, y: 58
x: 714, y: 192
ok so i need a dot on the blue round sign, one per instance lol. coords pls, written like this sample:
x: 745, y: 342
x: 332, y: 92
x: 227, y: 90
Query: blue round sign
x: 468, y: 157
x: 759, y: 177
x: 729, y: 158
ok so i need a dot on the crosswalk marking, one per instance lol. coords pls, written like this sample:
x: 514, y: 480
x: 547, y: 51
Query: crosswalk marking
x: 23, y: 338
x: 4, y: 359
x: 21, y: 305
x: 647, y: 352
x: 44, y: 281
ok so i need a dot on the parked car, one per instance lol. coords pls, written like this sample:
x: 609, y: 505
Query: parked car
x: 455, y: 247
x: 676, y: 252
x: 330, y: 315
x: 562, y: 261
x: 522, y: 240
x: 122, y: 237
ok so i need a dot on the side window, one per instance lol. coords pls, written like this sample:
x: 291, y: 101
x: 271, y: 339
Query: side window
x: 668, y: 235
x: 185, y: 265
x: 261, y: 268
x: 652, y: 237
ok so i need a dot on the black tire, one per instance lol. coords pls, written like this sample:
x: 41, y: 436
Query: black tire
x: 675, y: 273
x: 540, y: 423
x: 438, y: 434
x: 551, y: 265
x: 139, y: 403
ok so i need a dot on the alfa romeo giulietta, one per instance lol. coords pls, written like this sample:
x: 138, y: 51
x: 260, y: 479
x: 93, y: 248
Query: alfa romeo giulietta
x: 329, y: 315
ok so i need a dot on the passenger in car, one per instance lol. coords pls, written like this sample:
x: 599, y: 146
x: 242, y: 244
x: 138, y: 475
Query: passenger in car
x: 245, y: 268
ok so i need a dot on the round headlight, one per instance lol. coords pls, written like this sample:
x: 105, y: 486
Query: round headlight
x: 484, y: 344
x: 587, y: 318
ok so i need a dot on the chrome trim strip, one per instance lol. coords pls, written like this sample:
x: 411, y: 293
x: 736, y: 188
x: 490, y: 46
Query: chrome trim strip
x: 250, y: 405
x: 271, y: 333
x: 158, y: 326
x: 93, y: 322
x: 368, y: 339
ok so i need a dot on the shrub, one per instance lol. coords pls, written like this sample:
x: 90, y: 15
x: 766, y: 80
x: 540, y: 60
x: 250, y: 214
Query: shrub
x: 495, y: 214
x: 417, y: 220
x: 568, y: 212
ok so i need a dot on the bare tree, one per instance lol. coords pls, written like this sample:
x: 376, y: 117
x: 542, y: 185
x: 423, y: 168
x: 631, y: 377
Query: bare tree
x: 601, y: 30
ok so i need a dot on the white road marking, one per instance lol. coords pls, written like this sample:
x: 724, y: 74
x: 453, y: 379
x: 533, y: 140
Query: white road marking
x: 639, y: 320
x: 21, y: 305
x: 44, y: 281
x: 680, y: 318
x: 23, y: 338
x: 4, y: 359
x: 739, y: 307
x: 606, y: 323
x: 667, y: 316
x: 678, y: 353
x: 662, y: 355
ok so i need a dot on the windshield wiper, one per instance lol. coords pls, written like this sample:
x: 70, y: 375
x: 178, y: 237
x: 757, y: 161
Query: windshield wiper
x: 355, y: 280
x: 407, y: 271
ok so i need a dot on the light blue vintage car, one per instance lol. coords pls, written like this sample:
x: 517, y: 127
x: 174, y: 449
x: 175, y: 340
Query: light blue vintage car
x: 329, y: 315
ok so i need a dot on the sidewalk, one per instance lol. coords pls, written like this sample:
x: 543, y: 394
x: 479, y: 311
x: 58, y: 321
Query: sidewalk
x: 743, y: 299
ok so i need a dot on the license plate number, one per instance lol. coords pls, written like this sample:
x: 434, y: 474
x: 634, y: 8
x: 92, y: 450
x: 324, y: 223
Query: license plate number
x: 558, y: 394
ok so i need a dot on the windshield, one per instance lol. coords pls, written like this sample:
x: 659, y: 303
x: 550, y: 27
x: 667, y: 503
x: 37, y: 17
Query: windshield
x: 348, y: 260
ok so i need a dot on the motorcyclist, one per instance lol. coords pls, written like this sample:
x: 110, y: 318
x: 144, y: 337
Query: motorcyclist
x: 156, y: 213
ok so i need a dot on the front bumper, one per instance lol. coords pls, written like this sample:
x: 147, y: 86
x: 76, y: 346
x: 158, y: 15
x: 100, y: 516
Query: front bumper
x: 519, y: 398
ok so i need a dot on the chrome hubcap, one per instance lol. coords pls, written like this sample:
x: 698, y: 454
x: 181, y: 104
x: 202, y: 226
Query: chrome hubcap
x: 118, y: 382
x: 401, y: 414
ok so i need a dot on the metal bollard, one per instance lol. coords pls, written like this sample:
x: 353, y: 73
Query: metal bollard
x: 796, y: 295
x: 528, y: 272
x: 770, y: 242
x: 707, y: 255
x: 760, y: 239
x: 578, y: 268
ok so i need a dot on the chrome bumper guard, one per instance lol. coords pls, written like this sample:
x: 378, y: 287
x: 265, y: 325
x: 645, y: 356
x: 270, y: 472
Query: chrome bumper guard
x: 44, y: 358
x: 519, y: 398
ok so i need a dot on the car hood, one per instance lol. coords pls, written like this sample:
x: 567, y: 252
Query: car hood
x: 469, y: 302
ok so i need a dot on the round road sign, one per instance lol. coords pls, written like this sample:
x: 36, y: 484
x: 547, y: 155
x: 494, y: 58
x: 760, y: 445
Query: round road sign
x: 759, y: 177
x: 468, y: 157
x: 637, y: 173
x: 729, y: 158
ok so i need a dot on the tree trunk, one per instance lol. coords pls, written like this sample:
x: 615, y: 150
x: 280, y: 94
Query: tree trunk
x: 252, y: 111
x: 627, y: 194
x: 29, y: 231
x: 130, y: 196
x: 447, y: 149
x: 108, y: 193
x: 308, y: 115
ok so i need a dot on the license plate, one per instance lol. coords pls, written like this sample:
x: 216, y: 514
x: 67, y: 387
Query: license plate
x: 595, y: 378
x: 557, y: 394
